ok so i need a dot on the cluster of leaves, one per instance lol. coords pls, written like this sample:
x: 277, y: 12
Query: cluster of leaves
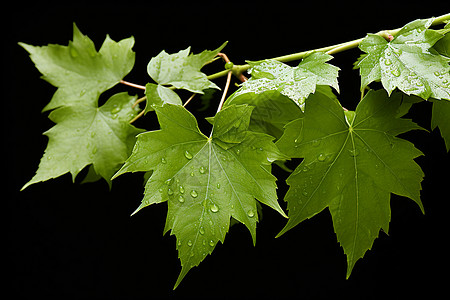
x: 352, y: 160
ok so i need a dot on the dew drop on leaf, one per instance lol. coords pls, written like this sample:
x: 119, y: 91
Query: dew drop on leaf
x: 211, y: 243
x: 321, y: 157
x: 202, y: 230
x: 250, y: 213
x: 181, y: 189
x: 189, y: 243
x: 116, y: 110
x: 163, y: 160
x: 214, y: 208
x: 202, y: 170
x: 188, y: 155
x: 170, y: 192
x: 181, y: 199
x: 194, y: 194
x: 395, y: 72
x: 353, y: 152
x: 388, y: 62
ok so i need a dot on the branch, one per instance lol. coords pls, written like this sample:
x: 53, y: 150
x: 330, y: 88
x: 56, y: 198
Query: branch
x: 387, y: 34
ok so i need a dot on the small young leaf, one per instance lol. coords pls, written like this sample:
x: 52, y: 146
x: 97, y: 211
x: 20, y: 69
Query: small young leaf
x: 352, y: 162
x: 406, y: 62
x: 79, y: 71
x: 86, y: 135
x: 159, y: 95
x: 296, y: 83
x: 205, y: 183
x: 183, y: 70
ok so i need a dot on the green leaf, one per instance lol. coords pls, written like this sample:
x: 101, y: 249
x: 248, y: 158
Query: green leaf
x: 86, y: 135
x: 296, y: 83
x: 183, y: 70
x: 79, y: 71
x: 273, y: 110
x: 159, y: 95
x: 352, y: 162
x: 441, y: 118
x: 406, y: 62
x: 205, y: 181
x: 443, y: 45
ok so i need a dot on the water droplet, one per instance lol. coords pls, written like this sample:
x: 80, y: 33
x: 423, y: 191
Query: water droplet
x: 163, y: 160
x: 388, y: 62
x: 170, y: 192
x: 321, y: 157
x: 218, y: 185
x: 260, y: 149
x: 114, y: 116
x: 189, y: 243
x: 168, y: 181
x: 179, y: 243
x: 214, y: 208
x: 181, y: 189
x: 395, y: 72
x: 181, y: 199
x: 188, y: 155
x: 116, y: 110
x: 211, y: 243
x: 397, y: 51
x: 238, y: 151
x: 94, y: 150
x: 92, y: 134
x: 82, y: 93
x: 192, y: 174
x: 73, y: 52
x: 316, y: 143
x: 202, y: 230
x: 202, y: 170
x: 250, y: 213
x: 353, y: 152
x: 194, y: 194
x: 305, y: 193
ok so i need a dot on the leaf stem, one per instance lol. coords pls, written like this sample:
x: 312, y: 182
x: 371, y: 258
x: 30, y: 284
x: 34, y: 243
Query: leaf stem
x: 141, y: 87
x: 225, y: 90
x: 189, y: 100
x: 139, y: 101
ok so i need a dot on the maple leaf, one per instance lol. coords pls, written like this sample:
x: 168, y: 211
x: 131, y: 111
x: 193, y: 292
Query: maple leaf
x: 441, y: 118
x: 352, y: 162
x: 158, y: 94
x: 205, y: 181
x: 183, y: 70
x: 79, y: 71
x: 406, y: 62
x: 273, y: 110
x: 297, y: 83
x: 86, y: 135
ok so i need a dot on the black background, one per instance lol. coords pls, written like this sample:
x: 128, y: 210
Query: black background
x: 69, y: 240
